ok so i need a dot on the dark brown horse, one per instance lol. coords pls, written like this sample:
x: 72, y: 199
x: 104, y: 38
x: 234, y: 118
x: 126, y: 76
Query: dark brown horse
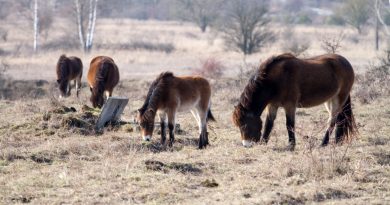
x: 69, y: 68
x: 169, y: 94
x: 103, y: 76
x: 288, y: 82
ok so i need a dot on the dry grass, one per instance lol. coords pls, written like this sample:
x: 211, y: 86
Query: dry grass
x: 45, y: 162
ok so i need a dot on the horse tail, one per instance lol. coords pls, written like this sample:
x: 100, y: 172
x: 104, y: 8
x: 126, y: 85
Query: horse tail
x: 210, y: 116
x: 346, y: 127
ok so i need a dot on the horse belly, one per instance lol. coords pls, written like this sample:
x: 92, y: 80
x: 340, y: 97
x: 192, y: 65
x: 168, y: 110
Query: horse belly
x: 185, y: 106
x: 313, y: 96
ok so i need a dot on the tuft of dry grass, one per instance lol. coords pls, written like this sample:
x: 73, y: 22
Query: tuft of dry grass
x: 117, y: 167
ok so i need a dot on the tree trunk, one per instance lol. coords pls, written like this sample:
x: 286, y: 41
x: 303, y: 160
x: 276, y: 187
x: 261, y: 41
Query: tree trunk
x: 36, y: 24
x: 80, y: 24
x: 376, y: 33
x: 378, y: 5
x: 91, y: 24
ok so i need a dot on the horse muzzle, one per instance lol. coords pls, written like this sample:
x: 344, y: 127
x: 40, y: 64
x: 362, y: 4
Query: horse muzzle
x: 147, y: 138
x: 247, y: 143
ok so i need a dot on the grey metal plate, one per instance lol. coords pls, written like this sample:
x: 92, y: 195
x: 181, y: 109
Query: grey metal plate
x: 112, y: 110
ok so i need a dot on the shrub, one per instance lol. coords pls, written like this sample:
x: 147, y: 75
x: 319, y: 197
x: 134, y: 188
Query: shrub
x: 375, y: 82
x: 335, y: 20
x: 140, y: 45
x: 211, y: 68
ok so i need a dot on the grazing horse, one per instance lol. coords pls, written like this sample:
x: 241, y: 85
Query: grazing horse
x: 169, y: 94
x: 103, y: 76
x: 288, y: 82
x: 69, y: 68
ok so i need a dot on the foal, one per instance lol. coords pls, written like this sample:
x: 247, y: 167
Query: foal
x: 103, y: 76
x: 288, y: 82
x: 67, y: 69
x: 169, y: 94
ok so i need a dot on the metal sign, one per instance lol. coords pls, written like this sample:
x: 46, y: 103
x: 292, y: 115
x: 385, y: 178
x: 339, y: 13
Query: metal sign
x: 112, y: 110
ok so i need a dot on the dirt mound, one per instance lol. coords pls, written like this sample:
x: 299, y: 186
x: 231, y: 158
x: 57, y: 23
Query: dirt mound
x: 81, y: 122
x: 63, y: 121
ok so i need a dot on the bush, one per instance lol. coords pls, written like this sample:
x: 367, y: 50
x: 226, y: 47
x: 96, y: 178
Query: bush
x: 304, y: 19
x: 140, y: 45
x: 63, y: 43
x: 335, y: 20
x: 211, y: 68
x: 291, y: 43
x: 375, y: 82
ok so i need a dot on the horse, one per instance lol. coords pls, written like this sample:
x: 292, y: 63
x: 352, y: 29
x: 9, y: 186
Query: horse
x: 69, y: 68
x: 289, y: 82
x: 168, y: 95
x: 103, y: 76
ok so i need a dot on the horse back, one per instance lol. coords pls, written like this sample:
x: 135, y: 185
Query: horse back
x: 76, y: 67
x: 190, y: 91
x: 103, y: 68
x: 310, y: 82
x: 69, y: 68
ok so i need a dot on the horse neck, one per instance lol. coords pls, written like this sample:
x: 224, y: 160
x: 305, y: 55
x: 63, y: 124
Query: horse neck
x: 256, y: 99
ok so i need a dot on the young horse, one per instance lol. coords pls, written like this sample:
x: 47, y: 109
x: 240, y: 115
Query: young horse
x: 69, y: 68
x: 288, y: 82
x: 169, y: 94
x: 103, y: 76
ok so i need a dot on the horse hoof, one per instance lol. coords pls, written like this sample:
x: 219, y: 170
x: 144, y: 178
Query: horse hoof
x: 290, y: 148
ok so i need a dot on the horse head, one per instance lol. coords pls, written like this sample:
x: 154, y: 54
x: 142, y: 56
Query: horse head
x: 145, y: 119
x: 249, y: 124
x: 97, y: 98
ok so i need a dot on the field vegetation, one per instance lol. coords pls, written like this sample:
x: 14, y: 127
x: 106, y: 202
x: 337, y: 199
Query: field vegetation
x: 50, y: 154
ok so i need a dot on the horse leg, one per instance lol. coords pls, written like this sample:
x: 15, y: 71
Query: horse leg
x: 331, y: 121
x: 171, y: 127
x: 78, y: 86
x: 343, y: 117
x: 163, y: 127
x: 290, y: 124
x: 202, y: 123
x: 195, y: 113
x: 69, y: 87
x: 269, y: 122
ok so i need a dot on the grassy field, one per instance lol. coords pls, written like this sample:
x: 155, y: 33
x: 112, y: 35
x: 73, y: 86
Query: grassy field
x: 47, y: 158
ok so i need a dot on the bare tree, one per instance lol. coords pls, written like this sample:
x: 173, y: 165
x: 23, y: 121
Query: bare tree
x: 39, y: 14
x: 245, y: 26
x: 293, y: 44
x: 86, y: 20
x: 331, y: 44
x: 357, y: 13
x: 201, y: 12
x: 381, y: 6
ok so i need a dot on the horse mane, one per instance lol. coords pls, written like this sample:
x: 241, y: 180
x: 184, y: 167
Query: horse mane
x: 101, y: 75
x: 156, y: 90
x: 258, y: 79
x: 62, y: 73
x: 257, y: 90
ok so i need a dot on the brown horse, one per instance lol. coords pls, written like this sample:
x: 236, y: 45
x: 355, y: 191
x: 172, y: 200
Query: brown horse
x: 69, y: 68
x: 103, y: 76
x: 288, y: 82
x: 169, y: 94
